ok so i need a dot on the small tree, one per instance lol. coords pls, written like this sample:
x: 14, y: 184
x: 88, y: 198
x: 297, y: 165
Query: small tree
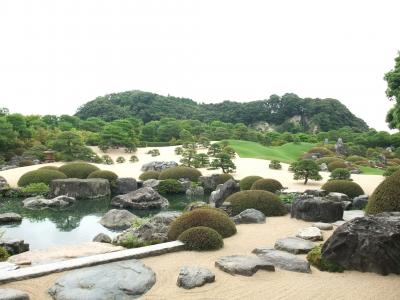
x: 223, y: 161
x: 188, y: 157
x: 107, y: 159
x: 306, y: 169
x: 178, y: 150
x: 120, y: 159
x: 230, y: 151
x: 340, y: 174
x: 201, y: 160
x: 134, y: 159
x: 214, y: 149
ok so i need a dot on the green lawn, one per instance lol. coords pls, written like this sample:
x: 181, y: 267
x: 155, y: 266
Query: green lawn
x: 287, y: 153
x: 371, y: 171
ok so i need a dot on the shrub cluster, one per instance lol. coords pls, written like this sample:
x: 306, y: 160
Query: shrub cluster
x: 275, y: 165
x: 106, y: 159
x: 347, y: 187
x: 246, y: 183
x: 267, y: 184
x: 133, y: 159
x: 110, y: 176
x: 315, y: 259
x: 340, y: 174
x: 391, y: 170
x: 337, y: 164
x: 40, y: 176
x: 153, y: 152
x: 180, y: 172
x: 25, y: 163
x: 201, y: 238
x: 327, y: 160
x: 169, y: 186
x: 120, y: 159
x: 78, y: 169
x: 322, y: 151
x: 149, y: 175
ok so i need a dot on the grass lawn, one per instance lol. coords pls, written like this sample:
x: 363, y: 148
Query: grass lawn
x: 371, y: 171
x: 287, y: 153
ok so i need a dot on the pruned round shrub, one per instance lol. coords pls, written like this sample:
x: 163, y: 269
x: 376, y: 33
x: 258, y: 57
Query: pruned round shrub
x: 133, y: 159
x: 110, y: 176
x: 106, y: 159
x: 246, y: 183
x: 386, y: 196
x: 394, y: 161
x: 149, y: 175
x: 40, y: 175
x: 347, y: 187
x: 340, y: 174
x: 78, y: 169
x: 169, y: 186
x: 120, y: 159
x: 315, y: 258
x: 267, y: 184
x: 337, y: 164
x: 391, y: 170
x: 201, y: 238
x: 25, y: 163
x: 180, y: 172
x: 275, y: 165
x: 54, y: 168
x: 356, y: 158
x: 4, y: 255
x: 320, y: 150
x: 208, y: 217
x: 264, y: 201
x: 222, y: 178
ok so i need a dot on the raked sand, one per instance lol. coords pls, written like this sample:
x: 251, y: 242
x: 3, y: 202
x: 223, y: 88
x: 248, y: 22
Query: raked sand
x: 245, y: 167
x: 263, y: 285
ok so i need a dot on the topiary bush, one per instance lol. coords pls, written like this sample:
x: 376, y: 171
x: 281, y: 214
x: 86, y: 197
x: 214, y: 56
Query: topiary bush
x: 347, y: 187
x: 386, y: 196
x: 169, y: 186
x: 106, y: 159
x: 4, y: 255
x: 267, y: 184
x: 208, y: 217
x: 25, y: 163
x: 133, y: 159
x: 40, y: 175
x: 110, y: 176
x: 275, y: 165
x: 246, y: 183
x: 149, y: 175
x: 315, y: 258
x: 180, y: 172
x: 201, y: 238
x: 391, y: 170
x: 54, y: 168
x: 337, y: 164
x: 78, y: 169
x: 222, y: 178
x: 340, y: 174
x: 264, y: 201
x: 120, y: 159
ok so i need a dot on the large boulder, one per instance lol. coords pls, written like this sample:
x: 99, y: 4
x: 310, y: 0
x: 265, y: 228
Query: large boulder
x: 14, y: 246
x: 315, y: 209
x: 121, y: 280
x: 143, y: 198
x: 367, y: 244
x: 12, y: 294
x: 209, y: 183
x: 249, y: 216
x: 360, y: 202
x: 39, y: 202
x: 243, y: 265
x: 81, y: 188
x: 125, y: 185
x: 223, y: 191
x: 158, y: 166
x: 118, y: 219
x: 191, y: 277
x: 10, y: 218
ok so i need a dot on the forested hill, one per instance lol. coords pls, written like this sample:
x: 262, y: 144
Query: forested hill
x: 282, y: 113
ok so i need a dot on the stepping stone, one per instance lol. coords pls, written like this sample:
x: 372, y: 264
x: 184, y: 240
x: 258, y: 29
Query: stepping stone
x: 6, y: 266
x: 283, y: 260
x: 10, y: 218
x: 12, y: 294
x: 249, y: 216
x: 294, y: 245
x: 120, y: 280
x: 243, y: 265
x: 352, y: 214
x: 310, y: 233
x: 338, y: 223
x: 191, y: 277
x: 323, y: 226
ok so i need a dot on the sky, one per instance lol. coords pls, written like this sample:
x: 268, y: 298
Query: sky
x: 56, y: 55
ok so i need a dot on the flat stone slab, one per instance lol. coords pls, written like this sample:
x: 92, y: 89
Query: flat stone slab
x: 249, y: 216
x: 283, y: 260
x: 338, y: 223
x: 120, y: 280
x: 349, y: 215
x: 294, y: 245
x: 7, y: 266
x: 323, y: 226
x: 10, y: 218
x: 311, y: 234
x: 243, y: 265
x: 12, y: 294
x: 191, y: 277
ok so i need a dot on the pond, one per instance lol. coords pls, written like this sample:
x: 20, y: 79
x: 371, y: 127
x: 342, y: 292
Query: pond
x: 76, y: 224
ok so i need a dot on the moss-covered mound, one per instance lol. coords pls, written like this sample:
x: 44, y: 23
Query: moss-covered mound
x: 207, y: 217
x: 347, y: 187
x: 54, y: 168
x: 169, y: 186
x: 180, y: 172
x: 40, y: 176
x: 386, y: 196
x: 315, y: 258
x: 110, y: 176
x: 222, y: 178
x: 267, y: 184
x: 201, y: 238
x: 246, y: 183
x: 78, y: 169
x: 337, y: 164
x: 149, y: 175
x: 264, y: 201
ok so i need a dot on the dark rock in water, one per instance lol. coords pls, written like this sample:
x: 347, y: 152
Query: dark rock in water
x: 191, y: 277
x: 317, y: 210
x: 12, y: 294
x: 81, y: 188
x: 294, y: 245
x: 118, y: 219
x: 360, y: 202
x: 14, y: 246
x: 39, y: 202
x: 125, y: 185
x: 223, y: 191
x: 102, y: 238
x: 158, y: 166
x: 243, y: 265
x: 249, y: 216
x: 366, y: 244
x: 144, y: 198
x: 121, y: 280
x: 10, y: 218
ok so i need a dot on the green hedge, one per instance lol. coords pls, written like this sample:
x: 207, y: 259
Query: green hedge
x: 347, y: 187
x: 267, y: 184
x: 149, y: 175
x: 40, y: 176
x: 78, y: 169
x: 201, y: 238
x: 386, y: 197
x: 180, y: 172
x: 246, y: 183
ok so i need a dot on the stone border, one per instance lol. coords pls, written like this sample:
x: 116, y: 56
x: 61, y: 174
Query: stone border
x: 87, y: 261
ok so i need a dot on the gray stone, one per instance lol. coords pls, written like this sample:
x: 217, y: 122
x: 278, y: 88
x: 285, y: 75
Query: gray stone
x: 360, y: 202
x: 118, y: 219
x: 316, y: 193
x: 294, y: 245
x: 340, y: 147
x: 338, y: 223
x: 338, y: 197
x: 249, y: 216
x: 165, y: 217
x: 346, y: 205
x: 14, y: 246
x: 193, y: 205
x: 352, y: 214
x: 158, y: 166
x: 3, y: 184
x: 224, y: 191
x: 185, y: 184
x: 311, y: 234
x: 243, y: 265
x: 81, y: 188
x: 191, y: 277
x: 209, y: 183
x: 143, y: 198
x: 102, y: 238
x: 121, y: 280
x: 323, y: 167
x: 39, y: 202
x: 10, y: 218
x: 323, y: 226
x: 125, y: 185
x: 316, y: 209
x: 12, y: 294
x: 152, y: 183
x: 283, y: 260
x: 195, y: 192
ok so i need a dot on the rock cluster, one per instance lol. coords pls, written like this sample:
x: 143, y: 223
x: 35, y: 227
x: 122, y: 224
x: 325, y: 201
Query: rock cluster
x: 143, y: 198
x: 39, y: 202
x: 158, y: 166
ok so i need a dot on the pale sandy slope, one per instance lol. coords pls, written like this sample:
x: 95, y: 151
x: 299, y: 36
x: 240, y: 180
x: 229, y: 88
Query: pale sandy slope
x: 245, y: 167
x: 263, y: 285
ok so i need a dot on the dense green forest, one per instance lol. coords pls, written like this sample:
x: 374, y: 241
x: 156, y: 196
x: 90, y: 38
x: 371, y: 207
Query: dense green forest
x: 279, y: 112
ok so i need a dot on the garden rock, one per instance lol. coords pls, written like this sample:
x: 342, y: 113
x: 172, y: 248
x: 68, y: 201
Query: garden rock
x: 158, y: 166
x: 10, y: 218
x: 338, y: 197
x: 143, y: 198
x: 316, y: 209
x: 121, y: 280
x: 152, y: 183
x: 360, y: 202
x: 366, y: 244
x: 294, y: 245
x: 323, y: 167
x: 118, y: 219
x: 14, y: 246
x: 223, y: 191
x: 102, y: 238
x: 125, y: 185
x: 209, y: 183
x: 316, y: 193
x: 283, y: 260
x: 195, y: 192
x: 81, y: 188
x: 311, y: 234
x: 191, y: 277
x: 243, y: 265
x: 39, y: 202
x: 13, y: 294
x: 249, y: 216
x: 352, y: 214
x: 3, y: 184
x: 323, y: 226
x: 165, y: 217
